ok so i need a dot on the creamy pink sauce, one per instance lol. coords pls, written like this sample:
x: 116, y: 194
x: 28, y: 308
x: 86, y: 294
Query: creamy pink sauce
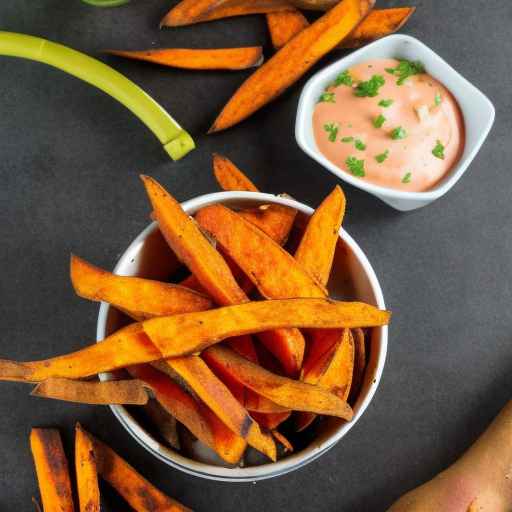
x: 410, y: 164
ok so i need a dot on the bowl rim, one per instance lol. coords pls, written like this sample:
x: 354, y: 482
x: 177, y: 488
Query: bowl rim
x: 293, y: 461
x: 454, y: 175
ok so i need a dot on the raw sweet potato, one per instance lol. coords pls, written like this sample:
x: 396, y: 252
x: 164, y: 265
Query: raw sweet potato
x: 379, y: 23
x: 316, y: 250
x: 128, y: 392
x: 140, y: 494
x: 164, y: 422
x: 139, y: 298
x: 219, y: 399
x: 182, y: 14
x: 52, y: 470
x: 189, y: 333
x: 86, y: 472
x: 292, y: 61
x: 359, y: 364
x: 283, y: 391
x: 203, y: 59
x: 229, y: 176
x: 284, y: 25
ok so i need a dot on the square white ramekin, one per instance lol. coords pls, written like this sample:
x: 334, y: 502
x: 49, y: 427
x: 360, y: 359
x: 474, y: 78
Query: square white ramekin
x: 477, y: 110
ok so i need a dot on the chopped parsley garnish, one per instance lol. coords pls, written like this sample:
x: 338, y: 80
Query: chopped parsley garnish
x: 398, y: 133
x: 332, y: 130
x: 343, y: 79
x: 438, y: 151
x: 355, y: 166
x: 407, y: 177
x: 386, y: 103
x: 327, y: 97
x: 379, y: 121
x: 370, y: 87
x: 380, y: 158
x: 405, y: 69
x: 347, y: 139
x: 360, y: 145
x: 438, y: 99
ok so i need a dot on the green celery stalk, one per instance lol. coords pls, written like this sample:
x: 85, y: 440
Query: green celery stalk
x: 175, y: 140
x: 105, y: 3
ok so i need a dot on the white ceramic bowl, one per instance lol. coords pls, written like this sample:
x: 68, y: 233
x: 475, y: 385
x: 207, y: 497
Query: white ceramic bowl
x: 352, y: 277
x: 477, y: 110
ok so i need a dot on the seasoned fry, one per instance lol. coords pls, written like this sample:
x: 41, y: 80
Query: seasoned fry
x: 203, y: 59
x: 127, y: 392
x: 379, y: 23
x: 283, y: 391
x: 219, y: 399
x: 292, y: 61
x: 165, y: 423
x: 140, y: 494
x: 86, y: 472
x: 270, y: 421
x: 189, y: 333
x: 288, y: 447
x: 316, y: 250
x: 229, y: 176
x: 284, y: 25
x: 359, y: 364
x: 52, y: 470
x: 182, y: 15
x: 139, y: 298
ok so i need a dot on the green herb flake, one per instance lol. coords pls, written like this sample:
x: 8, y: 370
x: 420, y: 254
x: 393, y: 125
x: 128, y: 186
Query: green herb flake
x: 437, y: 99
x: 438, y: 151
x: 386, y: 103
x: 407, y: 177
x: 347, y: 139
x: 360, y: 145
x: 355, y: 166
x: 327, y: 97
x: 406, y: 69
x: 380, y: 158
x: 343, y: 79
x: 370, y: 87
x: 379, y: 121
x: 398, y: 133
x: 332, y: 130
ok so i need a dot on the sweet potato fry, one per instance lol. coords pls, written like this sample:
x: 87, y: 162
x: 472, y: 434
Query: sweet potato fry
x: 182, y: 14
x: 140, y: 494
x: 288, y: 447
x: 203, y: 59
x: 86, y: 472
x: 164, y: 422
x: 270, y: 421
x: 52, y: 470
x: 274, y: 271
x: 292, y: 61
x: 139, y: 298
x: 189, y: 333
x: 128, y: 392
x: 283, y: 391
x: 229, y: 176
x: 359, y: 364
x: 220, y: 400
x: 284, y: 25
x: 379, y: 23
x: 316, y: 250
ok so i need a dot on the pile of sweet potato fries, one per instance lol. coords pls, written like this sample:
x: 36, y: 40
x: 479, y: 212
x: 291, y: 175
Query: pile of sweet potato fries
x: 191, y: 347
x: 298, y: 44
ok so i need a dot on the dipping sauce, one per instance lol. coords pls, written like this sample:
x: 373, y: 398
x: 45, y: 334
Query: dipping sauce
x: 389, y: 123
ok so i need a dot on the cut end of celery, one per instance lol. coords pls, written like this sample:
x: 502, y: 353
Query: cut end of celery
x: 179, y: 146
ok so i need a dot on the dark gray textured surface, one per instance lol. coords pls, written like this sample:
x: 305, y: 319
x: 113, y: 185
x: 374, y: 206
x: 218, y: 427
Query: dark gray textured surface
x: 70, y: 157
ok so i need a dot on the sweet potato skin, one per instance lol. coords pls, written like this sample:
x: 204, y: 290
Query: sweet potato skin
x: 292, y: 61
x: 137, y: 297
x: 86, y: 472
x: 138, y: 492
x: 52, y: 470
x: 202, y: 59
x: 285, y: 25
x: 283, y: 391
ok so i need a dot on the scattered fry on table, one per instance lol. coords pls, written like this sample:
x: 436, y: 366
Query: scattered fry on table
x: 86, y: 472
x: 202, y: 59
x: 285, y: 25
x: 292, y: 61
x: 52, y: 470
